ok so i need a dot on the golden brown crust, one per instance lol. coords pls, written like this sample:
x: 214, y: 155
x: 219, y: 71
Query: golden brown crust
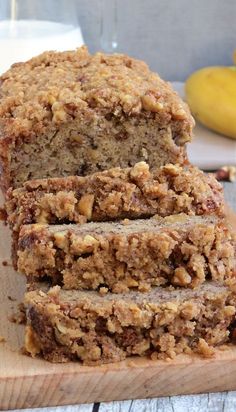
x: 53, y: 85
x: 71, y: 325
x: 178, y: 250
x: 115, y: 194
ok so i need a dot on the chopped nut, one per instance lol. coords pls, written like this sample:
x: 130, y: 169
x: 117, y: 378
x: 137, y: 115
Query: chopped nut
x: 72, y: 333
x: 95, y: 353
x: 51, y: 99
x: 173, y: 170
x: 59, y: 113
x: 189, y: 310
x: 79, y: 350
x: 90, y: 241
x: 85, y: 245
x: 172, y: 306
x: 181, y: 217
x: 141, y: 347
x: 182, y: 139
x: 39, y: 226
x: 61, y: 240
x: 76, y: 138
x: 181, y: 277
x: 140, y: 171
x: 53, y: 292
x: 143, y: 287
x: 113, y: 325
x: 229, y: 311
x: 61, y: 204
x: 150, y: 103
x: 179, y: 114
x: 31, y: 341
x: 43, y: 217
x: 132, y: 283
x: 85, y: 205
x: 155, y: 190
x: 204, y: 348
x: 103, y: 291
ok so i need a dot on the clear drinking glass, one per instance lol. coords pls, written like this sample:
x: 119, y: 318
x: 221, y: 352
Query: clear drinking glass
x: 108, y: 29
x: 29, y: 27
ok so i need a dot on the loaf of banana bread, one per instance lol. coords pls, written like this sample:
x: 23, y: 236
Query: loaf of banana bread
x: 73, y: 325
x: 72, y: 113
x: 115, y: 194
x: 180, y: 250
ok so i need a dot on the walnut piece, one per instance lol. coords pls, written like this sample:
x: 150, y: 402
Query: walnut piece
x: 85, y: 205
x: 181, y: 277
x: 140, y: 171
x: 150, y: 103
x: 86, y: 245
x: 61, y: 240
x: 31, y: 342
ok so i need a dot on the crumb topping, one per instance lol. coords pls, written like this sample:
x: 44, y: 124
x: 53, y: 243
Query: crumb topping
x: 57, y: 86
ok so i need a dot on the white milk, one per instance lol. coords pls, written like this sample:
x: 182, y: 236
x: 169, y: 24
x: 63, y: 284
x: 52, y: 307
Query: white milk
x: 22, y: 39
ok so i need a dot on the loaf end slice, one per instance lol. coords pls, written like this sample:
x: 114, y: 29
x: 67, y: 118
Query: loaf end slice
x: 72, y: 113
x: 83, y: 326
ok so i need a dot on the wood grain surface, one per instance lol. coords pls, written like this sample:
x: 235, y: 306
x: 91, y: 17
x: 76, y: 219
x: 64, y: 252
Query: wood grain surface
x: 27, y: 383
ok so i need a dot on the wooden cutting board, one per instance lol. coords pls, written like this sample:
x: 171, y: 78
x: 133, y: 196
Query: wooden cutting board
x: 27, y: 383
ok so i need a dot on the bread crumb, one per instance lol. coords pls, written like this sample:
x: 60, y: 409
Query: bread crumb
x: 3, y: 214
x: 11, y: 298
x: 18, y: 317
x: 4, y: 263
x: 2, y: 339
x: 103, y: 291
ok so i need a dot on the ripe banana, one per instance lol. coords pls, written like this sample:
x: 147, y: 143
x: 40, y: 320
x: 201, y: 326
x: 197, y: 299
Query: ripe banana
x: 211, y: 95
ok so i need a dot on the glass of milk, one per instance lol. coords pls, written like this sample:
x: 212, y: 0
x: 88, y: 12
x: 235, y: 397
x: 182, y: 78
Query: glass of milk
x: 29, y: 27
x: 108, y: 26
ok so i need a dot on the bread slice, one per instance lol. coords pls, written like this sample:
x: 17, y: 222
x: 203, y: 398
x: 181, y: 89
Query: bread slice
x: 73, y: 325
x: 180, y: 250
x: 115, y: 194
x: 72, y: 113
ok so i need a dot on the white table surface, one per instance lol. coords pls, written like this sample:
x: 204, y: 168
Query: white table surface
x: 214, y: 402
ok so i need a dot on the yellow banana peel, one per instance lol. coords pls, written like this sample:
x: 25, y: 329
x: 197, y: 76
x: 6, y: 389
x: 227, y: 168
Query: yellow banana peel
x: 211, y: 95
